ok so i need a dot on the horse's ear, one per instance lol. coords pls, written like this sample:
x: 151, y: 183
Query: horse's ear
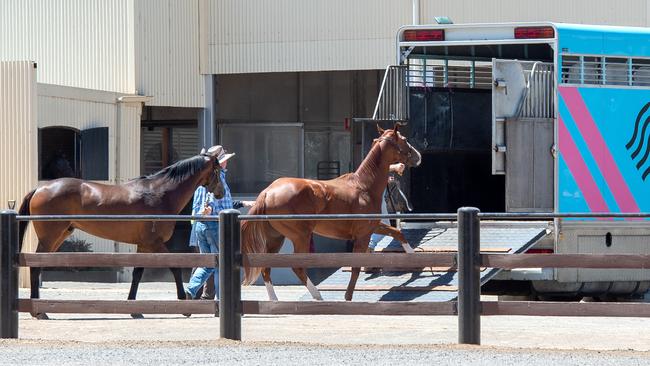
x: 380, y: 130
x: 202, y: 151
x: 397, y: 126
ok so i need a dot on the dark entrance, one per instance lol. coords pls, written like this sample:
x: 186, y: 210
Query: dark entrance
x: 452, y: 129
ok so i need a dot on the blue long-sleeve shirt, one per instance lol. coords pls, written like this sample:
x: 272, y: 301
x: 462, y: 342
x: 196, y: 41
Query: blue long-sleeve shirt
x: 217, y: 205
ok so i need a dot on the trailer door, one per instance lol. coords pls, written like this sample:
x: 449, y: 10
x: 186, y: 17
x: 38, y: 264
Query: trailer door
x: 522, y: 132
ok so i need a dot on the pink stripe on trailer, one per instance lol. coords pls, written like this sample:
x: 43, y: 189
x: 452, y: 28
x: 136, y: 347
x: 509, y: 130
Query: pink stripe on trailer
x: 599, y: 150
x: 579, y: 170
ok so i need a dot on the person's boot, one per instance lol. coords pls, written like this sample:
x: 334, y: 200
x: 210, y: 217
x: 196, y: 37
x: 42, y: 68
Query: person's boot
x: 208, y: 289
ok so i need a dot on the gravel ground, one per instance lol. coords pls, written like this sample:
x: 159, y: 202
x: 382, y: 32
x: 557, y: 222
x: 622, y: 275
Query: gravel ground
x: 173, y: 339
x: 278, y: 353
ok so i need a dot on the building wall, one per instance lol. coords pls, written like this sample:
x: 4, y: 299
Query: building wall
x: 18, y: 138
x: 161, y: 48
x: 142, y: 47
x: 127, y: 141
x: 290, y: 35
x: 604, y: 12
x: 167, y: 52
x: 80, y: 43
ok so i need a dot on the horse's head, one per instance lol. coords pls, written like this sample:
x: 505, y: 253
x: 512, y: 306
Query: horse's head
x: 396, y: 148
x: 212, y: 181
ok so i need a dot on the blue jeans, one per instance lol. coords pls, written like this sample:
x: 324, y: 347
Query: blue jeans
x: 208, y: 238
x: 374, y: 239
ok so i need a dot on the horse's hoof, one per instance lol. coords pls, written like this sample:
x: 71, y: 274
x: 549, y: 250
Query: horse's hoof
x: 137, y: 316
x: 41, y: 316
x: 187, y: 315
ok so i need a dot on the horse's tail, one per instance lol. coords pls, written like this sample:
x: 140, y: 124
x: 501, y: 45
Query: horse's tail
x: 22, y: 225
x: 253, y: 237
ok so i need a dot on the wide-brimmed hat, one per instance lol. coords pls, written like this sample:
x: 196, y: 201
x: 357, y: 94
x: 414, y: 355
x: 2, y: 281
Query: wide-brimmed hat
x: 219, y: 151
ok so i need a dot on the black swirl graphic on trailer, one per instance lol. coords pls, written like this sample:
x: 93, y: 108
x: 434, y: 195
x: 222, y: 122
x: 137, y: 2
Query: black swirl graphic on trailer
x: 643, y: 142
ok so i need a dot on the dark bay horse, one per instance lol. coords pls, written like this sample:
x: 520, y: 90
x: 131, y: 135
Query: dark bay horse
x: 163, y: 193
x: 360, y: 192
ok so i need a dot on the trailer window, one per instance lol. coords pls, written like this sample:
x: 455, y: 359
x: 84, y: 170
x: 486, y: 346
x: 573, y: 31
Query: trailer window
x: 591, y: 70
x: 601, y: 70
x: 641, y: 72
x: 616, y: 71
x: 444, y: 73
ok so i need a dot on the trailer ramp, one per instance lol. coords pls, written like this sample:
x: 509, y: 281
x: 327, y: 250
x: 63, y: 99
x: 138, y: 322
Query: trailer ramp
x: 430, y: 284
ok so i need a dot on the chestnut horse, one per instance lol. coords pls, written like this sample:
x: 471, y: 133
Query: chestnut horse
x: 360, y: 192
x: 163, y: 193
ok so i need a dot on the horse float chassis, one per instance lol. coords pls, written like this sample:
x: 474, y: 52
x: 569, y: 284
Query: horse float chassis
x: 531, y: 117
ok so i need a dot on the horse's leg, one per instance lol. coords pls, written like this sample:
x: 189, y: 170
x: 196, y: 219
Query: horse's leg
x: 384, y: 229
x: 302, y: 275
x: 178, y: 278
x: 135, y: 282
x: 266, y: 274
x: 35, y: 281
x: 360, y: 246
x: 50, y: 236
x: 273, y: 244
x: 301, y: 245
x: 180, y: 290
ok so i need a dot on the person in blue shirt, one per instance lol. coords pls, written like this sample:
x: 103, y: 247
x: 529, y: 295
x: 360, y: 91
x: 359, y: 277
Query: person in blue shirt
x: 205, y: 234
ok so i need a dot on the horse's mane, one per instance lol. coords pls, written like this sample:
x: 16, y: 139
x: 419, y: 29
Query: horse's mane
x: 180, y: 170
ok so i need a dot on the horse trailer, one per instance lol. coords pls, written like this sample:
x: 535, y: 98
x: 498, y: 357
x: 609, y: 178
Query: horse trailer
x: 531, y: 117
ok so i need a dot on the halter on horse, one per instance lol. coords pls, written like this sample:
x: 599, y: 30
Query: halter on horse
x: 353, y: 193
x: 163, y: 193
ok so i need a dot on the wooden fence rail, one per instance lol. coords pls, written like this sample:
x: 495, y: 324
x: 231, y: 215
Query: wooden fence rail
x: 394, y: 308
x: 148, y: 260
x: 335, y: 260
x: 467, y: 262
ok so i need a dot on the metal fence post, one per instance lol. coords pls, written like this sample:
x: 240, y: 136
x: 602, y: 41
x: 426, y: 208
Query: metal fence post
x: 469, y: 282
x: 8, y: 275
x: 229, y: 275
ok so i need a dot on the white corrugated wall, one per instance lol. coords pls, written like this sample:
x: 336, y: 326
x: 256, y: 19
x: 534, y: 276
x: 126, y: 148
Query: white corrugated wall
x: 244, y: 36
x: 605, y: 12
x: 167, y: 52
x: 308, y: 35
x: 18, y: 139
x: 156, y: 47
x: 18, y: 135
x: 128, y: 141
x: 80, y: 43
